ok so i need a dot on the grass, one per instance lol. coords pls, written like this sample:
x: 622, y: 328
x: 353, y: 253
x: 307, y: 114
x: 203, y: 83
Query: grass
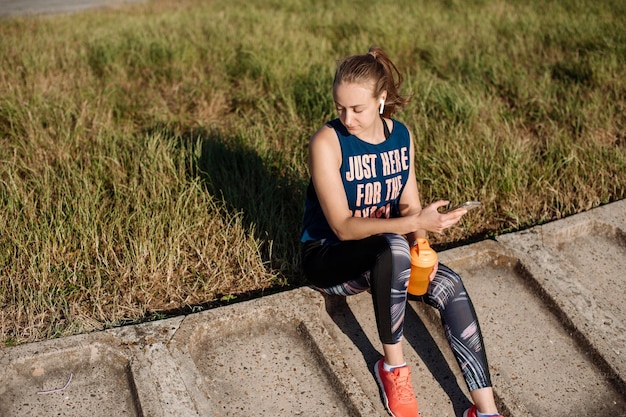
x: 152, y: 157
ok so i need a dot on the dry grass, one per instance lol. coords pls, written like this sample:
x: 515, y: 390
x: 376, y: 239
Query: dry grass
x: 152, y: 157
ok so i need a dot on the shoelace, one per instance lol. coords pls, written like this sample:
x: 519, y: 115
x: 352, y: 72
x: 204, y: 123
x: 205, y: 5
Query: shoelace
x: 402, y: 385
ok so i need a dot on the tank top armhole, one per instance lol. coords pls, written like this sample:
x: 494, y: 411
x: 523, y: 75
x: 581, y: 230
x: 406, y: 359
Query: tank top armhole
x: 338, y: 137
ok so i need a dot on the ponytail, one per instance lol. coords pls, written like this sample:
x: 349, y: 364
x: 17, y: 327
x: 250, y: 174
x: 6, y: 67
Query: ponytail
x: 376, y: 67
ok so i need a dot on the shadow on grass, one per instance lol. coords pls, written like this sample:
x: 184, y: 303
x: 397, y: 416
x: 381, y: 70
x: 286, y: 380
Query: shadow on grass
x: 261, y: 188
x: 269, y: 198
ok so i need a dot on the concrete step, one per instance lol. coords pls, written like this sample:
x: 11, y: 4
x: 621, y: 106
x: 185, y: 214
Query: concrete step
x: 549, y: 300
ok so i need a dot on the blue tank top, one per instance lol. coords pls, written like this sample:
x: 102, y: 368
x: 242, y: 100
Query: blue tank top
x: 373, y: 178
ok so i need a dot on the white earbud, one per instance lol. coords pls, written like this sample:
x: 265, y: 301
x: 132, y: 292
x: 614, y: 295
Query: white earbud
x: 382, y: 106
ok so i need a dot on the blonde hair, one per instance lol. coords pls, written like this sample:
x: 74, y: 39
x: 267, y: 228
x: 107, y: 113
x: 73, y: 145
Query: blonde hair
x: 374, y: 67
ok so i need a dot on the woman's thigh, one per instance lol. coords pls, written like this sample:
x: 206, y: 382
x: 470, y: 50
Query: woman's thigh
x: 326, y: 265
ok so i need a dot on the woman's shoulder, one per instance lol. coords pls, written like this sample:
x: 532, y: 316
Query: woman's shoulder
x: 325, y: 137
x: 325, y: 131
x: 324, y: 146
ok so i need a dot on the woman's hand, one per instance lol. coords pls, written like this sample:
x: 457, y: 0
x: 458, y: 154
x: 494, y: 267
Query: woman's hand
x: 436, y: 222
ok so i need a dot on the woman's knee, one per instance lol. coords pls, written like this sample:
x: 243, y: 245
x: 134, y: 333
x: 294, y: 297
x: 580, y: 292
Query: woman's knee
x: 400, y: 250
x: 446, y: 287
x: 393, y: 260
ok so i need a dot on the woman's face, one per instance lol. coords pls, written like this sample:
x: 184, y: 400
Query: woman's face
x: 357, y: 107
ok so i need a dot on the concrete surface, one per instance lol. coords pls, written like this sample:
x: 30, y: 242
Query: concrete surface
x: 549, y: 300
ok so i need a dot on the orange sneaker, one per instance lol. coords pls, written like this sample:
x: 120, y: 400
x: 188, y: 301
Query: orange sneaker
x: 397, y: 390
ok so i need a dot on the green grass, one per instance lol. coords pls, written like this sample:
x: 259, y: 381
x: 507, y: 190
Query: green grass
x: 153, y: 157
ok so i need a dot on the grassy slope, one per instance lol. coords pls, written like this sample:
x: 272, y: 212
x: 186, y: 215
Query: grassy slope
x: 153, y: 157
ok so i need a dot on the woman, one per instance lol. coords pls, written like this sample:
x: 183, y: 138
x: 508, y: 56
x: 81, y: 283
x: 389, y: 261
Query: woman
x: 362, y: 214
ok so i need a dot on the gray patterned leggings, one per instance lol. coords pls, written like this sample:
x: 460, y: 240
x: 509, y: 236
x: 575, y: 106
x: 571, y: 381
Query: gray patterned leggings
x: 382, y: 263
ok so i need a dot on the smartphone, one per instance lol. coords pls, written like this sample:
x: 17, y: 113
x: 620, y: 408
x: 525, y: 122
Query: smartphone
x: 468, y: 205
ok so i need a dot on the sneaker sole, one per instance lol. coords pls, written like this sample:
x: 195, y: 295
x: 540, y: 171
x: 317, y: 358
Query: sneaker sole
x: 381, y: 388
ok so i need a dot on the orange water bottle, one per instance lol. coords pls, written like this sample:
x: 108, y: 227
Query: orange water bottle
x: 423, y: 260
